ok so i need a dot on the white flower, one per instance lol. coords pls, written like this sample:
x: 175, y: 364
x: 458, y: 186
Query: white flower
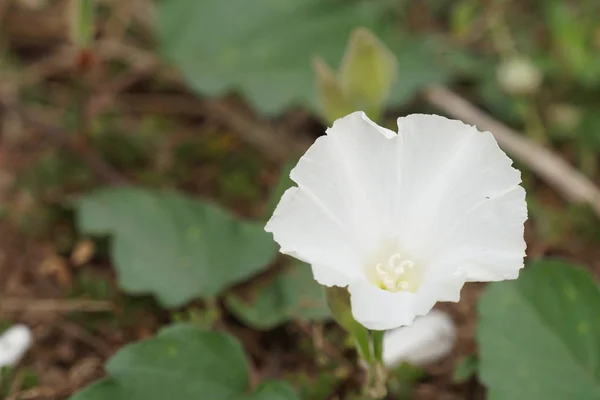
x: 14, y: 343
x: 403, y: 220
x: 429, y: 339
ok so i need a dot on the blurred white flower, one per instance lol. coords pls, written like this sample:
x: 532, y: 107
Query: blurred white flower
x: 429, y: 339
x: 403, y: 220
x: 14, y: 342
x: 519, y: 76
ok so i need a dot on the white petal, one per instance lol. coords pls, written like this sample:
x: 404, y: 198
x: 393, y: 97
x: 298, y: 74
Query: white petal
x: 329, y: 277
x: 488, y: 243
x: 379, y: 309
x: 352, y: 171
x: 461, y: 199
x: 307, y: 231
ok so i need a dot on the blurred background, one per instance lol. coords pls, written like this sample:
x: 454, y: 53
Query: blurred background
x: 143, y: 145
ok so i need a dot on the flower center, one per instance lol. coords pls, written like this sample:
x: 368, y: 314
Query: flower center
x: 397, y: 274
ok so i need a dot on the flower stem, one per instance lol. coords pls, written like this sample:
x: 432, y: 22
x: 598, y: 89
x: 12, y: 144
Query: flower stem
x: 376, y: 383
x: 369, y: 344
x: 377, y: 337
x: 363, y: 344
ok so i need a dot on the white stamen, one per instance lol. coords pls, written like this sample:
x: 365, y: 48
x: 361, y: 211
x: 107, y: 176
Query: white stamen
x: 395, y: 260
x: 407, y: 264
x: 396, y: 274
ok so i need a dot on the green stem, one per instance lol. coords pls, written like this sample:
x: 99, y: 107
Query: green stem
x: 369, y: 344
x: 377, y: 337
x: 363, y: 343
x: 375, y: 384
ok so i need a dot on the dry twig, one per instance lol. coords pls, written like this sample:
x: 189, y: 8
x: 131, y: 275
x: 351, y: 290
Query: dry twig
x: 53, y: 305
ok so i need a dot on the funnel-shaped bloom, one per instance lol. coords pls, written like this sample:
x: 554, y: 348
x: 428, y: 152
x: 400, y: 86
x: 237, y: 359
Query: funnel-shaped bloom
x: 403, y: 220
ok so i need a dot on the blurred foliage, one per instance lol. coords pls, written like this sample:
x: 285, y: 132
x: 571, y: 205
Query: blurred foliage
x: 318, y: 388
x: 291, y: 295
x: 539, y: 336
x: 465, y: 369
x: 264, y: 49
x: 51, y: 172
x: 574, y: 34
x: 403, y: 378
x: 181, y: 362
x: 173, y: 246
x: 203, y: 318
x: 28, y: 379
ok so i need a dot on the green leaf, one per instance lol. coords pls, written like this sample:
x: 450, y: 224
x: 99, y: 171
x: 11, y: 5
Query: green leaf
x: 173, y: 246
x: 293, y: 294
x: 539, y: 336
x: 273, y: 391
x: 264, y: 48
x: 181, y: 362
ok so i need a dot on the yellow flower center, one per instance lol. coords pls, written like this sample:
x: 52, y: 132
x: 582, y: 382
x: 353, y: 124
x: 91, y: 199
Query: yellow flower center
x: 397, y: 274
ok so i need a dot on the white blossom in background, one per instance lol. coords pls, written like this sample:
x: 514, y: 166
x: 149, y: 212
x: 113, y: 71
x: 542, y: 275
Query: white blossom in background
x: 429, y: 339
x: 519, y: 76
x: 403, y: 220
x: 14, y: 343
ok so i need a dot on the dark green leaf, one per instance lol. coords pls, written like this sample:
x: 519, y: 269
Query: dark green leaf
x: 539, y: 336
x: 181, y: 362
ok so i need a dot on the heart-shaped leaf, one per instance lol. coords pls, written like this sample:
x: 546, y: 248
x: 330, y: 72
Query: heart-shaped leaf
x: 174, y: 246
x: 181, y: 362
x: 539, y: 336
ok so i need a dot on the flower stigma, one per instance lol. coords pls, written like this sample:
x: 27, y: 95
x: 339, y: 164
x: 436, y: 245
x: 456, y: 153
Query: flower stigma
x: 397, y: 274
